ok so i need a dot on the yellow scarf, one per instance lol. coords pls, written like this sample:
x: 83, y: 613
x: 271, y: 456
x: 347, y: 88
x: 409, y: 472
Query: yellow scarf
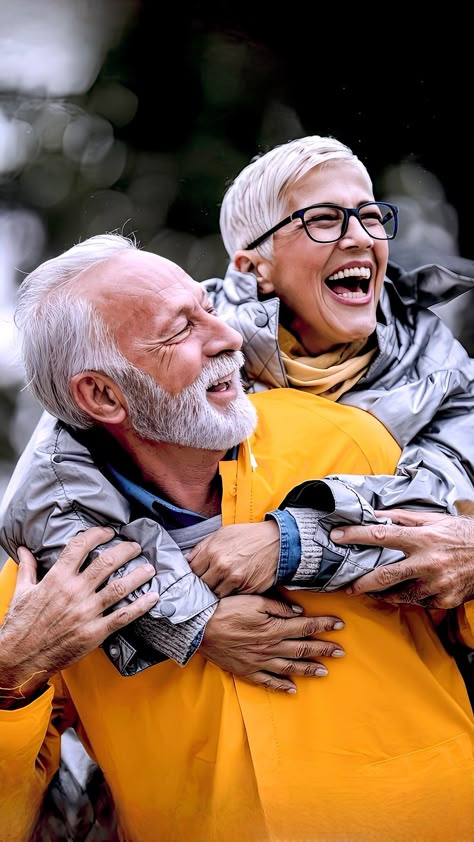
x: 330, y: 374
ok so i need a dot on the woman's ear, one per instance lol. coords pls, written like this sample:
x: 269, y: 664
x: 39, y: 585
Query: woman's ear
x: 243, y: 261
x: 99, y: 397
x: 251, y: 261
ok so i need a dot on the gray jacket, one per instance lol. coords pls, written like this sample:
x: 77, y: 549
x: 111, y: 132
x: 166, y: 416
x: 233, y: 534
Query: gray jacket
x: 420, y: 386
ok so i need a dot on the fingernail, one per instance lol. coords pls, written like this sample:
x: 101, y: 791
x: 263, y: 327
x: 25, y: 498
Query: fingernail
x: 21, y: 553
x: 337, y: 534
x: 338, y: 653
x: 292, y: 690
x: 350, y: 589
x: 150, y: 569
x: 298, y: 610
x: 152, y: 597
x: 339, y: 625
x: 321, y: 671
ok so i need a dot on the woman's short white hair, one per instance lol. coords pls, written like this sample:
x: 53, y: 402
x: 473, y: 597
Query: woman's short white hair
x: 256, y: 200
x: 63, y: 334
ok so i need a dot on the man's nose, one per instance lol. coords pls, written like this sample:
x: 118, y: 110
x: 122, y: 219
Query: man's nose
x: 222, y: 337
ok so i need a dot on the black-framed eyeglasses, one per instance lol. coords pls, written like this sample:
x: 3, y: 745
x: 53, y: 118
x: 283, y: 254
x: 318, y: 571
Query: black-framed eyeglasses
x: 328, y: 223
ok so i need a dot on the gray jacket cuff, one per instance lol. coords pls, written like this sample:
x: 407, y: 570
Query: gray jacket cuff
x: 321, y: 506
x: 163, y: 640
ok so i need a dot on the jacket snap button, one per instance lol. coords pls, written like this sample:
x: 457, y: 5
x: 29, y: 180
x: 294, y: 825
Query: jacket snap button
x: 114, y: 652
x: 167, y: 610
x: 261, y: 320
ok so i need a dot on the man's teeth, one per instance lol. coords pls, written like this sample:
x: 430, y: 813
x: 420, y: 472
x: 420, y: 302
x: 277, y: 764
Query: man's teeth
x: 221, y: 384
x: 356, y: 272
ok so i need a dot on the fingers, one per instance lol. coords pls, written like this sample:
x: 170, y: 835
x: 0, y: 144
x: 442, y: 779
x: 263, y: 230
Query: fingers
x: 269, y: 681
x: 277, y: 607
x: 402, y: 538
x: 278, y: 668
x: 109, y: 561
x: 123, y: 586
x: 308, y: 650
x: 383, y: 578
x: 78, y: 548
x: 197, y: 559
x: 282, y: 666
x: 297, y: 627
x: 404, y: 517
x: 121, y: 617
x: 415, y: 595
x: 26, y: 570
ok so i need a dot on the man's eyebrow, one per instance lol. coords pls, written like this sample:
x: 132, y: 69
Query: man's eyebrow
x: 205, y: 300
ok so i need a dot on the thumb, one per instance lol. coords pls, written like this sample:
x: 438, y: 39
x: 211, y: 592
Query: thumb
x: 26, y: 568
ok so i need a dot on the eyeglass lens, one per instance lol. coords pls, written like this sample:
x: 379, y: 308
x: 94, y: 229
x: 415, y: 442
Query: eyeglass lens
x: 325, y: 223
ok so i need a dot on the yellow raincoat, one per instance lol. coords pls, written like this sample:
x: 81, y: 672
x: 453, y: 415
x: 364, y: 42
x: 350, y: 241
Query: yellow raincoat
x: 381, y: 749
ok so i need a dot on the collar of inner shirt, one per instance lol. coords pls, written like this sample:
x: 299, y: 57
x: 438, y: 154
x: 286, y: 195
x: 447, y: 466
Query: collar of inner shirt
x: 123, y: 473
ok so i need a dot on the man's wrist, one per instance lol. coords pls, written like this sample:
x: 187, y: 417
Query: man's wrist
x: 15, y: 703
x: 16, y: 695
x: 19, y: 684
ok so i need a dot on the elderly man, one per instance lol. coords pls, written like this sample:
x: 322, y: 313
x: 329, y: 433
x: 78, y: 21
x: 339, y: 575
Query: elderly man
x: 196, y: 753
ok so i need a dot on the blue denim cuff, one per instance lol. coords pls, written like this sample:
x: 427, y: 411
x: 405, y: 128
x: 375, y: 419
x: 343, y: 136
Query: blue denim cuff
x: 195, y: 643
x: 290, y: 545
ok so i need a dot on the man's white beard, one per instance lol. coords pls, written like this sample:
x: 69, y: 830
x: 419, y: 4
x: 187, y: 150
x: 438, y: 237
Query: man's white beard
x: 188, y: 419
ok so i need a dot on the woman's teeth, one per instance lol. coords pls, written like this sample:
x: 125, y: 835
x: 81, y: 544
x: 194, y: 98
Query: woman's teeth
x: 355, y: 282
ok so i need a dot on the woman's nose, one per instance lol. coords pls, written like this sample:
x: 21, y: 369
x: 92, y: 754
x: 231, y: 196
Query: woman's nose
x: 356, y: 235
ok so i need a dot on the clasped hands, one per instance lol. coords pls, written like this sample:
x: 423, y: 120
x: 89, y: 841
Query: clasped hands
x: 437, y: 572
x: 263, y: 639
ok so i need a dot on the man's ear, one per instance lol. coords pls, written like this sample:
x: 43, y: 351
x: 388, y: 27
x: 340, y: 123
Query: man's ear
x: 251, y: 261
x: 99, y: 396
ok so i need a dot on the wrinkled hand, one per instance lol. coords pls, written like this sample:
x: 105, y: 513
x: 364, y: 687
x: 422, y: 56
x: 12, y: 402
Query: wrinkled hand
x: 264, y: 640
x: 242, y: 558
x: 52, y: 623
x: 438, y: 571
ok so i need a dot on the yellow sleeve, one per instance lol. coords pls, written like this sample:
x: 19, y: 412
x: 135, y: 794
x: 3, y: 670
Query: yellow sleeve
x: 465, y: 618
x: 30, y: 744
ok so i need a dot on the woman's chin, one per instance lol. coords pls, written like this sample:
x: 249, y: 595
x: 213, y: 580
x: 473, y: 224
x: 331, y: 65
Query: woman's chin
x: 354, y: 329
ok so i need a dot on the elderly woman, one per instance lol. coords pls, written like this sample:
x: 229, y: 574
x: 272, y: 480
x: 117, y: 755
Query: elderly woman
x: 307, y: 290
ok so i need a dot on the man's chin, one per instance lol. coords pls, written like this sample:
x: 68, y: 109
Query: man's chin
x: 232, y: 426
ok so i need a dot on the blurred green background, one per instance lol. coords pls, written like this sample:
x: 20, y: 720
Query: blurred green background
x: 134, y: 116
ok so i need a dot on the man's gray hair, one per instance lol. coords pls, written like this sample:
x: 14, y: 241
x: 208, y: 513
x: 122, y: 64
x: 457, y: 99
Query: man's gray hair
x: 63, y: 334
x: 257, y: 198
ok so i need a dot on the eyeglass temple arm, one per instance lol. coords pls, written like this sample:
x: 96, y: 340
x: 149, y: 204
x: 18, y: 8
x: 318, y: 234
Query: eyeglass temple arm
x: 275, y: 228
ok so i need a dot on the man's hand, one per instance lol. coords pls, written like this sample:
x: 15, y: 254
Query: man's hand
x: 238, y: 559
x: 439, y: 568
x: 263, y: 640
x: 52, y: 623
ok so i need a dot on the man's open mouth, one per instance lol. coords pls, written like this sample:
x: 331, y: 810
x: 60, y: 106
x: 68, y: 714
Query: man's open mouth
x: 220, y: 385
x: 350, y: 283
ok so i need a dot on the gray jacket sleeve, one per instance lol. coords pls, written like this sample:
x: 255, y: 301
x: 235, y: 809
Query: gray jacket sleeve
x: 424, y: 396
x: 57, y: 491
x: 318, y: 506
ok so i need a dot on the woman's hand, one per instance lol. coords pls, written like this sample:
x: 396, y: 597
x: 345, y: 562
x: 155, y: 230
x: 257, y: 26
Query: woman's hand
x: 438, y: 571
